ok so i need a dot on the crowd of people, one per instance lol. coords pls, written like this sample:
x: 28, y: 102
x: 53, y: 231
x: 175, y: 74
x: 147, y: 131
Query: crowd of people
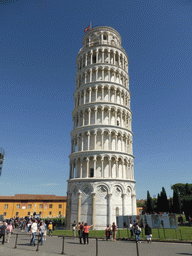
x: 31, y: 225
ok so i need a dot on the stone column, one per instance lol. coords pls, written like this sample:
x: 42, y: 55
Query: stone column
x: 110, y: 174
x: 102, y: 140
x: 77, y: 142
x: 82, y: 142
x: 96, y: 94
x: 95, y: 144
x: 102, y: 168
x: 109, y: 208
x: 117, y: 169
x: 116, y: 141
x: 93, y: 209
x: 85, y: 77
x: 87, y: 167
x: 86, y: 59
x: 88, y: 146
x: 118, y: 59
x: 109, y: 140
x: 90, y: 75
x: 83, y: 121
x: 115, y: 95
x: 84, y: 96
x: 121, y: 123
x: 109, y: 95
x: 115, y: 116
x: 91, y: 61
x: 81, y: 169
x: 102, y: 88
x: 102, y: 115
x: 102, y: 73
x: 103, y: 57
x: 109, y: 115
x: 95, y: 115
x: 79, y: 208
x: 96, y: 75
x: 89, y: 94
x: 109, y: 59
x: 94, y: 165
x: 89, y: 112
x: 122, y: 143
x: 97, y: 56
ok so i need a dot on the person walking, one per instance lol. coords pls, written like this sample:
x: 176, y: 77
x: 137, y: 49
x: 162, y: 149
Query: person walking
x: 108, y: 233
x: 81, y: 233
x: 86, y: 233
x: 50, y: 227
x: 137, y: 233
x: 41, y: 232
x: 114, y: 228
x: 148, y: 233
x: 9, y: 231
x: 45, y: 233
x: 34, y: 230
x: 3, y: 231
x: 74, y: 229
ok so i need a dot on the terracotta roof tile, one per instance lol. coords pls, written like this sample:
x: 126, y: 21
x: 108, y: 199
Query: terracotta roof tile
x: 33, y: 197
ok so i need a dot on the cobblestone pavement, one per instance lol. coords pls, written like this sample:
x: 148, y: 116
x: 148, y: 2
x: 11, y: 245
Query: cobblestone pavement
x: 53, y: 246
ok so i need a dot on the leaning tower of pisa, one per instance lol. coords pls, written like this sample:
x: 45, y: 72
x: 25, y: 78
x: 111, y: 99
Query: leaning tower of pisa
x: 101, y: 181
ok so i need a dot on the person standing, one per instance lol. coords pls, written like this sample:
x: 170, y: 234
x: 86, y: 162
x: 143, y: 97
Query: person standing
x: 148, y: 233
x: 81, y: 233
x: 34, y: 230
x: 86, y: 233
x: 114, y: 228
x: 108, y: 233
x: 45, y: 233
x: 9, y: 231
x: 3, y: 231
x: 74, y: 229
x: 131, y: 229
x: 137, y: 233
x: 50, y: 227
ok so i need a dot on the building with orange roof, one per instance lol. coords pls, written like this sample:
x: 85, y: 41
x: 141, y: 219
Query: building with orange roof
x: 21, y: 205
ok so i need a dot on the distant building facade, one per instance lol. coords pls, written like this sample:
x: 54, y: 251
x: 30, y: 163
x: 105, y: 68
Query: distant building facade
x: 101, y: 181
x: 22, y: 205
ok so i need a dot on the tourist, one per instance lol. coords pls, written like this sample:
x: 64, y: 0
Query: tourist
x: 114, y: 228
x: 50, y: 227
x: 74, y: 229
x: 137, y: 232
x: 86, y: 233
x: 41, y: 232
x: 34, y: 230
x: 131, y: 229
x: 45, y: 233
x: 9, y: 231
x: 108, y: 233
x: 78, y: 228
x: 148, y: 233
x: 3, y: 231
x: 81, y: 233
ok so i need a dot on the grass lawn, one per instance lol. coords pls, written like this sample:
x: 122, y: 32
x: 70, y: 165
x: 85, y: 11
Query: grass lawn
x: 182, y: 233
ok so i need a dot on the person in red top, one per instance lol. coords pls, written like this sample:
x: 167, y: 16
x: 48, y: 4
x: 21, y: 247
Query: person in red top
x: 86, y: 233
x: 114, y: 228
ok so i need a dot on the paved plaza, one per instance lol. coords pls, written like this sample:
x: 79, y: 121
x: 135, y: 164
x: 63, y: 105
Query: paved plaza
x: 53, y: 246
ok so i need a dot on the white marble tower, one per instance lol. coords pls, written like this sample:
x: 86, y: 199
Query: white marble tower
x: 101, y: 182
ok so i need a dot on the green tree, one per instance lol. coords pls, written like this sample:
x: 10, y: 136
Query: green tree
x: 149, y: 204
x: 164, y: 202
x: 181, y: 188
x: 187, y: 189
x: 176, y: 208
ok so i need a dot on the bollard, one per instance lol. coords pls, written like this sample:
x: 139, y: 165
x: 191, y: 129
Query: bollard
x: 37, y: 243
x: 180, y: 234
x: 164, y: 233
x: 63, y: 245
x: 97, y: 247
x: 16, y: 241
x: 142, y: 232
x: 137, y: 248
x: 176, y: 233
x: 158, y: 233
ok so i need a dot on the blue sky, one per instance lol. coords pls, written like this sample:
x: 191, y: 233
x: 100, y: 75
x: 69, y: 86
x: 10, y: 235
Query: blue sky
x: 40, y: 41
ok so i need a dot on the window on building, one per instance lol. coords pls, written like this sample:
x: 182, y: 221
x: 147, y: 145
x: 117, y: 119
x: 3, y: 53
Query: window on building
x: 6, y: 206
x: 28, y: 213
x: 59, y: 213
x: 50, y: 206
x: 40, y: 206
x: 91, y: 173
x: 50, y: 213
x: 60, y: 205
x: 17, y: 213
x: 17, y: 206
x: 40, y: 213
x: 29, y: 206
x: 4, y: 214
x: 117, y: 123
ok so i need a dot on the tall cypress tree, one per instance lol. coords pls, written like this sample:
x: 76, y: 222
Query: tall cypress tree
x: 176, y: 201
x: 149, y: 203
x: 158, y: 203
x: 164, y: 202
x: 187, y: 189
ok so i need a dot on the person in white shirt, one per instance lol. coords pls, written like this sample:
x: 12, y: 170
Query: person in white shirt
x: 34, y: 230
